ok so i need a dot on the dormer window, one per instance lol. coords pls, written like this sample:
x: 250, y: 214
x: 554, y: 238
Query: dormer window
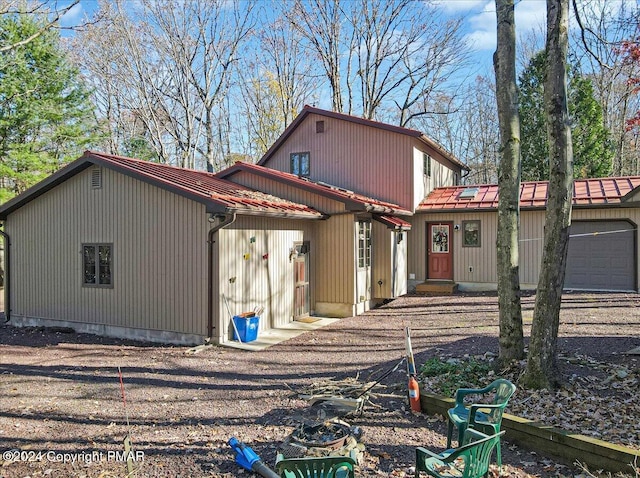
x: 300, y: 164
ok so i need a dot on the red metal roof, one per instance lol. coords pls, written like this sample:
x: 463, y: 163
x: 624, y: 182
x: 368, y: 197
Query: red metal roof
x: 393, y: 222
x: 231, y: 195
x: 350, y: 198
x: 586, y: 192
x: 217, y: 194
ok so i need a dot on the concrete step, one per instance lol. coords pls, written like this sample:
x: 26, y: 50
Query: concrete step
x: 437, y: 287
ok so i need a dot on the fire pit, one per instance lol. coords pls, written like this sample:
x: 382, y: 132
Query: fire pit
x: 323, y: 438
x: 327, y: 435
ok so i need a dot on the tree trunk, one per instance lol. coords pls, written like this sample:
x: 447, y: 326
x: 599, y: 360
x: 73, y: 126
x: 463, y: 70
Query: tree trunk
x: 511, y: 337
x: 542, y: 365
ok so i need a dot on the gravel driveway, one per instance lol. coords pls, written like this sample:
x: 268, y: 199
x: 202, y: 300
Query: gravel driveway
x: 60, y: 392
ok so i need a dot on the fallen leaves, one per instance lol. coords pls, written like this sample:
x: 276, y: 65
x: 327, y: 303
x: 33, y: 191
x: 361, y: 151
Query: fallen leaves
x: 600, y: 400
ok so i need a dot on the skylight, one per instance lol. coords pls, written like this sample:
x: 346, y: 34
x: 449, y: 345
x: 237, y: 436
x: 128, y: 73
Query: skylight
x: 468, y: 193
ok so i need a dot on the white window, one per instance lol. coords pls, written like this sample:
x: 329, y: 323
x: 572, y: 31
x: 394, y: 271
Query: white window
x: 364, y: 244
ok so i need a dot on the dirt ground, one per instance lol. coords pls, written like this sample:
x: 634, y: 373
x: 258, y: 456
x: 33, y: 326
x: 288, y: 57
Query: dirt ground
x: 60, y: 396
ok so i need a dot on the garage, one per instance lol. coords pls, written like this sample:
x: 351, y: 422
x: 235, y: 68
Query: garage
x: 601, y: 256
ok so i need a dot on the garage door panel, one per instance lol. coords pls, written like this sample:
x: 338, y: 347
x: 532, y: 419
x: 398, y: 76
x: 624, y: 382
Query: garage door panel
x: 598, y: 261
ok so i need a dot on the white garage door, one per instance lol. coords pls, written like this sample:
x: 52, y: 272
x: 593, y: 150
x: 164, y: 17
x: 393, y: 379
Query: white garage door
x: 601, y: 256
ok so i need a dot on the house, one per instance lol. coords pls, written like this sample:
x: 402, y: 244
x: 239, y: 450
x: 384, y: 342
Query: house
x: 128, y: 248
x: 603, y: 246
x: 340, y: 214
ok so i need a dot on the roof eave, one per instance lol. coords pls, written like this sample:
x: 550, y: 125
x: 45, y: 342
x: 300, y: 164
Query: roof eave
x: 281, y: 215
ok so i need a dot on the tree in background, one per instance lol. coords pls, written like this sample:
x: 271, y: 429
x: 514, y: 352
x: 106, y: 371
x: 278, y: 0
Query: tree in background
x: 388, y: 61
x: 275, y: 82
x: 605, y: 31
x: 46, y: 118
x: 593, y: 153
x: 170, y: 66
x: 46, y: 12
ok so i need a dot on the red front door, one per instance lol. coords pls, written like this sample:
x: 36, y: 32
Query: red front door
x: 439, y: 256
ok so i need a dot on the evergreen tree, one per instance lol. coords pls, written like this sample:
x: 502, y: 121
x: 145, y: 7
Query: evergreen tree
x: 592, y: 150
x: 46, y: 119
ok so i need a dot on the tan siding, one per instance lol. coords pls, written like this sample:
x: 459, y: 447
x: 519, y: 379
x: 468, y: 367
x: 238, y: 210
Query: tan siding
x: 483, y: 259
x: 480, y: 259
x: 159, y: 242
x: 336, y: 260
x: 254, y: 281
x: 367, y: 160
x: 385, y: 247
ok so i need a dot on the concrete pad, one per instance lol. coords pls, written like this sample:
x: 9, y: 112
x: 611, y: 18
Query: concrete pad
x: 270, y: 337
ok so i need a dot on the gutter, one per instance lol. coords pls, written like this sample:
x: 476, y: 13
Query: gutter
x: 226, y: 220
x: 7, y: 289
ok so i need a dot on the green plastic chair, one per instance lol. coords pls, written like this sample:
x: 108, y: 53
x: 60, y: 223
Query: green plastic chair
x: 469, y: 461
x: 316, y: 467
x: 485, y: 417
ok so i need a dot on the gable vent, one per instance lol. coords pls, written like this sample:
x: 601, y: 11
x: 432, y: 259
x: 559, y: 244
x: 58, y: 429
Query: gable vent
x: 96, y: 178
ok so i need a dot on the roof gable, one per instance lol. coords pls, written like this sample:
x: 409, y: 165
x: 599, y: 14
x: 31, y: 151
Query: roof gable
x: 218, y: 195
x: 586, y: 193
x: 307, y: 110
x: 352, y: 201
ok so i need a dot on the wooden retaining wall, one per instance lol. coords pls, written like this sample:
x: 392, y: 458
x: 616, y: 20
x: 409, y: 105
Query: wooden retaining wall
x: 568, y: 447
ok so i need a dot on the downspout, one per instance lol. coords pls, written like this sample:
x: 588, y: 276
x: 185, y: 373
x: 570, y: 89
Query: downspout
x: 7, y: 283
x: 226, y: 220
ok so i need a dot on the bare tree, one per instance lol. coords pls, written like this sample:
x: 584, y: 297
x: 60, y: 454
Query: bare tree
x: 469, y: 128
x: 172, y: 66
x: 377, y: 54
x: 542, y: 360
x: 320, y: 22
x: 603, y: 31
x: 276, y: 81
x: 504, y: 61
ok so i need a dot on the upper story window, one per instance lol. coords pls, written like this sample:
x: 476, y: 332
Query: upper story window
x: 300, y: 164
x: 97, y: 265
x: 426, y: 164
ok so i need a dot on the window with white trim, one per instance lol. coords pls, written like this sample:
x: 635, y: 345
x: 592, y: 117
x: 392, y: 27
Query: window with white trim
x: 364, y: 244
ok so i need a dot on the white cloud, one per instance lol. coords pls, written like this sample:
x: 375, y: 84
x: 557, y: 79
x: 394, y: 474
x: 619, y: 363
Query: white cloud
x: 530, y: 15
x: 481, y: 20
x: 73, y: 17
x: 482, y: 28
x: 458, y: 6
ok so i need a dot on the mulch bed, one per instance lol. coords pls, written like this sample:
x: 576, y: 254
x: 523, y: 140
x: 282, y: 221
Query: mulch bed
x: 60, y: 391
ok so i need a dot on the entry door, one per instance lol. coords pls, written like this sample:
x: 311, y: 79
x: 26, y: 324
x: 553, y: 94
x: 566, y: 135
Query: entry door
x: 301, y: 306
x: 439, y: 255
